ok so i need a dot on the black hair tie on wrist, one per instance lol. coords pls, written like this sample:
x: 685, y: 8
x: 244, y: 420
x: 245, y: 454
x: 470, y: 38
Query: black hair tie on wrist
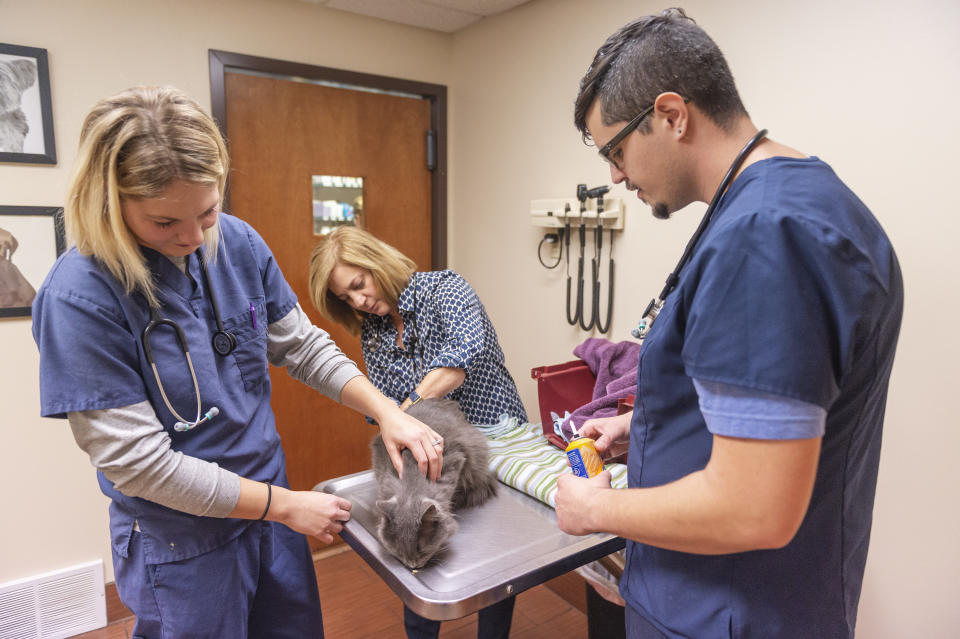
x: 269, y: 495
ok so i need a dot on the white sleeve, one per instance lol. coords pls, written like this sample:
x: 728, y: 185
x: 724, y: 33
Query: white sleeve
x: 309, y: 354
x: 133, y: 451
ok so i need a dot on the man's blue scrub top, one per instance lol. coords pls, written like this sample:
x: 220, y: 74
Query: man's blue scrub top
x: 793, y: 290
x: 91, y: 357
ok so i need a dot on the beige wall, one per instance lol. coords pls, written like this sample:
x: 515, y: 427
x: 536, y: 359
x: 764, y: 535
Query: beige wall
x: 868, y: 87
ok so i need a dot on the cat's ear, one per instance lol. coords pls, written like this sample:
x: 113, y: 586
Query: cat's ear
x: 429, y: 508
x: 433, y: 518
x: 430, y: 518
x: 429, y: 521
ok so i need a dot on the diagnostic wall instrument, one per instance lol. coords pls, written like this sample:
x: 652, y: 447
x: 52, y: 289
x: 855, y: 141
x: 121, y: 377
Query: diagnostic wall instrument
x: 583, y: 308
x: 598, y: 193
x: 591, y: 319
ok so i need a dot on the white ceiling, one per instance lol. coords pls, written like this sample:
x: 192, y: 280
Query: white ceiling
x: 440, y: 15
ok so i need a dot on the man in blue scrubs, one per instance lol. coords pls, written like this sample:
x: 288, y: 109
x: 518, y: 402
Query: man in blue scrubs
x: 755, y: 439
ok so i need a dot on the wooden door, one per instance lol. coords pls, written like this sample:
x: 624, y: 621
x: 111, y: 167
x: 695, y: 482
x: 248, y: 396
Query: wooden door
x: 281, y: 133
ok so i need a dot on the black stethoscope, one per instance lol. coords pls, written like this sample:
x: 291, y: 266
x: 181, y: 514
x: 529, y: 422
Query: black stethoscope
x: 224, y: 343
x: 655, y: 306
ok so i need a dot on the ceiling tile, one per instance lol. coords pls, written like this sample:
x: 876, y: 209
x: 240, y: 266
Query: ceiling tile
x: 418, y: 13
x: 440, y: 15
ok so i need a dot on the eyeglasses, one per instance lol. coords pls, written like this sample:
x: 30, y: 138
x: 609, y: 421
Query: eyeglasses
x: 607, y: 149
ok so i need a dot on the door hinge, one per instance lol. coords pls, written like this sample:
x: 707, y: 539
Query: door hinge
x: 431, y: 150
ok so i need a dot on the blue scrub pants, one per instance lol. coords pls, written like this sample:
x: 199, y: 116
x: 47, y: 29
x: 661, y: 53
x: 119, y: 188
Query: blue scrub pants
x: 261, y: 584
x: 493, y: 622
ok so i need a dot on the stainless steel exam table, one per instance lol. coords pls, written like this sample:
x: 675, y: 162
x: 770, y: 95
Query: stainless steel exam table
x: 502, y: 548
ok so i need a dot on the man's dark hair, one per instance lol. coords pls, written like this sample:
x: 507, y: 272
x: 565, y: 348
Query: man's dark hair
x: 651, y: 55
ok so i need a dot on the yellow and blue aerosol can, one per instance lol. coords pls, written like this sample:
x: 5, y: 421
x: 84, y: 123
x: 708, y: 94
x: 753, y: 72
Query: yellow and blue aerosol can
x: 584, y: 459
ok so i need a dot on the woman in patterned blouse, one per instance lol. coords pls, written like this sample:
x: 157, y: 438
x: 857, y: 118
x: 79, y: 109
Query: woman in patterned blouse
x: 423, y: 334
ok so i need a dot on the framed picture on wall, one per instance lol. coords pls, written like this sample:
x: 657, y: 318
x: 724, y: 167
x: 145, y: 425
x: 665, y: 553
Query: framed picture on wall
x: 26, y: 117
x: 31, y: 239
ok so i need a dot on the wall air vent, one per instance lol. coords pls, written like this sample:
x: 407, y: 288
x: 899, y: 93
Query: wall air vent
x: 54, y: 605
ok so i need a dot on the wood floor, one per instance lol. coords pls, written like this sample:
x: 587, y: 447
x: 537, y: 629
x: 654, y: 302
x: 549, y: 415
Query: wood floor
x: 358, y: 605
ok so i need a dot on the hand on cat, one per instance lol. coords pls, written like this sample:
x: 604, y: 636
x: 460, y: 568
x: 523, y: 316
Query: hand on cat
x: 611, y: 435
x: 314, y: 513
x: 575, y: 500
x: 399, y: 430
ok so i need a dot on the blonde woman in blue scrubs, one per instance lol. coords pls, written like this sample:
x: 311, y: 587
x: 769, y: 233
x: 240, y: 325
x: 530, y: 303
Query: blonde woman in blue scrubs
x: 155, y: 330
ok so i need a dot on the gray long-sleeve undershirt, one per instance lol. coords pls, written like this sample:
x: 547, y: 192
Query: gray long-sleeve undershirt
x: 131, y: 448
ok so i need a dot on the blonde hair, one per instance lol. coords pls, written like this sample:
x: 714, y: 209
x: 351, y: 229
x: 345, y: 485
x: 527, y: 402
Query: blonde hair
x: 352, y: 246
x: 134, y: 145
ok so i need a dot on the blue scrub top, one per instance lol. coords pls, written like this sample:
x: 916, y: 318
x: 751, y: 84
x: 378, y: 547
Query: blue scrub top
x: 794, y: 290
x: 91, y: 357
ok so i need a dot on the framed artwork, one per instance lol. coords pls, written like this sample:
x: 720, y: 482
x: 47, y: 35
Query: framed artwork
x: 26, y: 117
x: 31, y: 239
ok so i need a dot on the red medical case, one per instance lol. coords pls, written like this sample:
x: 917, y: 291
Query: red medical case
x: 562, y: 387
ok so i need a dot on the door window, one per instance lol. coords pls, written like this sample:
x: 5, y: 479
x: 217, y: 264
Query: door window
x: 337, y: 201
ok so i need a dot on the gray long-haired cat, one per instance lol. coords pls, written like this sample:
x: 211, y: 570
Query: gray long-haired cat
x: 416, y: 517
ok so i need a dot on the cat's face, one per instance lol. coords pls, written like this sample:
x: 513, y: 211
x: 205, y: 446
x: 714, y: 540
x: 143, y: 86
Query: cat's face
x: 415, y: 530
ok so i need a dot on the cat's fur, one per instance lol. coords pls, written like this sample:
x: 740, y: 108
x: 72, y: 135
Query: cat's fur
x: 415, y: 514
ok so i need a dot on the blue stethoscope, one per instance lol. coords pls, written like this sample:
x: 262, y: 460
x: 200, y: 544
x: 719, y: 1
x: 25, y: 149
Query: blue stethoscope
x: 655, y: 306
x: 224, y: 342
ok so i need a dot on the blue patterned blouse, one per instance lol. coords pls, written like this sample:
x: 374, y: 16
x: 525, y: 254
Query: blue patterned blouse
x: 445, y: 324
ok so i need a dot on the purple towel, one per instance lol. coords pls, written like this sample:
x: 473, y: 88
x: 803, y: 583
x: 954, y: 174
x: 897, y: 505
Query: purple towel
x: 615, y: 365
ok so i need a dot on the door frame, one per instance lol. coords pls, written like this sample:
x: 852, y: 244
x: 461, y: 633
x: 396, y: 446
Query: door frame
x: 222, y: 62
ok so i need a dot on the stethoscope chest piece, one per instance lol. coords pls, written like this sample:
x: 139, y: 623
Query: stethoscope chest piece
x: 224, y: 342
x: 649, y: 317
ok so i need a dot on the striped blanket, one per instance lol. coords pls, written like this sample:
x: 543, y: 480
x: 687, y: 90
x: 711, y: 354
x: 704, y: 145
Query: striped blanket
x: 522, y: 458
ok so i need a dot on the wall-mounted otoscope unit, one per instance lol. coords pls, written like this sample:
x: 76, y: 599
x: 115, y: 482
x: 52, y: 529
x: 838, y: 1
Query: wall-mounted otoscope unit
x: 589, y: 210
